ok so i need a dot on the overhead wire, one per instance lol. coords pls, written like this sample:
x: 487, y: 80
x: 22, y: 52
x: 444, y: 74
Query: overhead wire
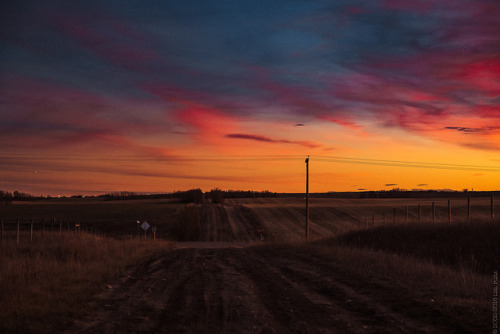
x: 229, y: 158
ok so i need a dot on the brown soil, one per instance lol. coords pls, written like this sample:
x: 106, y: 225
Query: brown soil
x: 229, y: 288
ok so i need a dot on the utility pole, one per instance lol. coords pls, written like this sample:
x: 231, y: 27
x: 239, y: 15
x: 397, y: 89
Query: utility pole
x: 307, y: 198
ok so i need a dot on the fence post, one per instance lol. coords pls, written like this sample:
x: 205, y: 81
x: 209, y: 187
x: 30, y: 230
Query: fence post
x: 449, y: 211
x: 433, y: 213
x: 60, y: 228
x: 492, y: 208
x: 43, y: 226
x: 406, y: 214
x: 468, y: 209
x: 1, y: 233
x: 394, y: 216
x: 419, y: 214
x: 31, y: 232
x: 17, y: 236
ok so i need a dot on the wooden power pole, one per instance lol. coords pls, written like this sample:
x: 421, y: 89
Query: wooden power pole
x: 307, y: 198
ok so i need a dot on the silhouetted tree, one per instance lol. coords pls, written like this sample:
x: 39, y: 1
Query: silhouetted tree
x: 216, y: 195
x: 192, y: 196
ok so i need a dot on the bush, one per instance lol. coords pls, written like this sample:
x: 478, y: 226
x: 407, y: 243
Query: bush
x: 217, y: 196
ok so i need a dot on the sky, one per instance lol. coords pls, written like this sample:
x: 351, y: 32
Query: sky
x: 158, y: 96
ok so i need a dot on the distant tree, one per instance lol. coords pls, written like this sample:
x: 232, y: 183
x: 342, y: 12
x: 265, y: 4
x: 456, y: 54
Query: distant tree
x: 6, y: 197
x: 192, y: 196
x: 216, y: 195
x: 21, y: 195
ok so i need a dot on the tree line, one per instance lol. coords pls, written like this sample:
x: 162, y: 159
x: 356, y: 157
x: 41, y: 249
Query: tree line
x: 188, y: 196
x: 7, y: 197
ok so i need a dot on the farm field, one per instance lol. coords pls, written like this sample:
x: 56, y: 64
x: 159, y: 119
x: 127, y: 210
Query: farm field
x: 283, y: 219
x: 365, y: 270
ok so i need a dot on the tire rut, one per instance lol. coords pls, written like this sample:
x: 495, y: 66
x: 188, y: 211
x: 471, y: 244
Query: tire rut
x: 326, y: 286
x: 242, y: 290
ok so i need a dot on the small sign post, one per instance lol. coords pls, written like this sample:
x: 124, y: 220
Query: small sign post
x: 260, y: 231
x: 145, y: 226
x: 153, y: 229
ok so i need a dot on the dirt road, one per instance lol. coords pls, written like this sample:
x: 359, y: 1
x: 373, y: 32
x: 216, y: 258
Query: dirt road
x: 247, y: 290
x: 228, y: 223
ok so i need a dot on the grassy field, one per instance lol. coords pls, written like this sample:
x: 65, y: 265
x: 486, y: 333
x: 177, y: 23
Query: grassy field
x: 47, y: 283
x: 113, y: 218
x: 421, y: 288
x: 442, y: 266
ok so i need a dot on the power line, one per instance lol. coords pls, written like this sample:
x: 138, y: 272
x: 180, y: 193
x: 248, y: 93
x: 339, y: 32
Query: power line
x: 235, y: 158
x: 411, y: 164
x: 84, y: 157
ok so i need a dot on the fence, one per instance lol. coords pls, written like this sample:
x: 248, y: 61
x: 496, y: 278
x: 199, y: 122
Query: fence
x: 28, y: 230
x: 434, y: 213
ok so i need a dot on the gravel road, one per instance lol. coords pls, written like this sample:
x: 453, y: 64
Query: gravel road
x: 232, y: 288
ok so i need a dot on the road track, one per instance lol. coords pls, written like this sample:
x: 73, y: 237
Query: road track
x: 230, y: 288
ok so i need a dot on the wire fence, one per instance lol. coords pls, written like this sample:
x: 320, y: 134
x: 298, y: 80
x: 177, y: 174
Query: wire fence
x: 22, y: 230
x: 435, y: 212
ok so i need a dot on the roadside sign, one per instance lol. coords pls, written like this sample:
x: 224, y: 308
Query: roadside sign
x: 145, y: 226
x: 260, y: 230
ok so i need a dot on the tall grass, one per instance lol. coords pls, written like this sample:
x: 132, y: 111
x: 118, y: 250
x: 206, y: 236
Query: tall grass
x: 423, y: 289
x: 45, y: 284
x: 435, y: 272
x: 461, y: 245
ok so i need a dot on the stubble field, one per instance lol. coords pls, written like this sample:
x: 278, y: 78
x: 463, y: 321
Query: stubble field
x: 369, y: 266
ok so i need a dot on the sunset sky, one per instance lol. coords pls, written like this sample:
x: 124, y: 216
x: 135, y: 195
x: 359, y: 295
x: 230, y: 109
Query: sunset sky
x: 157, y: 96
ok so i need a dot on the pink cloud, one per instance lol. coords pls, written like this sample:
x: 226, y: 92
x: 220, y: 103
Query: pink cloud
x: 205, y: 120
x: 343, y: 121
x: 195, y: 109
x: 272, y: 140
x: 303, y: 101
x: 447, y: 91
x: 108, y: 38
x: 46, y: 115
x: 483, y: 74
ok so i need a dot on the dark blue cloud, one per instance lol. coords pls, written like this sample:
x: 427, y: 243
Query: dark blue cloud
x: 321, y: 59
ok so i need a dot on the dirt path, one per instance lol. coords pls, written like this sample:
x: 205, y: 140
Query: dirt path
x: 245, y: 290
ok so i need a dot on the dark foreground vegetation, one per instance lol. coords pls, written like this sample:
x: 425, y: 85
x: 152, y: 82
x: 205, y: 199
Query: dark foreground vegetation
x: 407, y: 277
x: 475, y: 245
x: 47, y: 283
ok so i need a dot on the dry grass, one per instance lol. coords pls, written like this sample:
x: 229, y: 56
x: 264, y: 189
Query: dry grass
x: 433, y: 293
x: 435, y: 272
x: 473, y: 246
x: 422, y: 288
x: 442, y: 269
x: 45, y: 284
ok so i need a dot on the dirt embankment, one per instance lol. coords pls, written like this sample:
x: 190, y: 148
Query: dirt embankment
x: 248, y: 290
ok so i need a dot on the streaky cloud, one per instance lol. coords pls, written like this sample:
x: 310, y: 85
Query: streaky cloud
x: 271, y: 140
